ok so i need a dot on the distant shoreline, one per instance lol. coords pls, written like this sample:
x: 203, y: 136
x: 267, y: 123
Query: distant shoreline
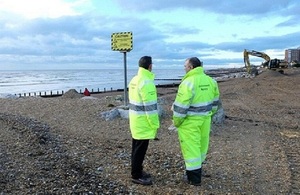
x: 219, y: 74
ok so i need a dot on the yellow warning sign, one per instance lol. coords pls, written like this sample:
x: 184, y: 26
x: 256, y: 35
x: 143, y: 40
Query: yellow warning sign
x: 121, y: 41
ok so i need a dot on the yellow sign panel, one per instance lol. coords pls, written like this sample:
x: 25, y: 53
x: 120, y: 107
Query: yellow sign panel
x: 121, y: 41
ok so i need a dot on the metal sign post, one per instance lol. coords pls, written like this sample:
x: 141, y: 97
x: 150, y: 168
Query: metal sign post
x: 122, y: 42
x: 125, y: 81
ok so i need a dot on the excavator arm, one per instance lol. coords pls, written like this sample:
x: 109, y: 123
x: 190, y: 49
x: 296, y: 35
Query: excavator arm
x: 254, y: 53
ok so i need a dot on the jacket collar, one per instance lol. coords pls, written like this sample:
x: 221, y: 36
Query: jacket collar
x: 195, y: 71
x: 146, y: 73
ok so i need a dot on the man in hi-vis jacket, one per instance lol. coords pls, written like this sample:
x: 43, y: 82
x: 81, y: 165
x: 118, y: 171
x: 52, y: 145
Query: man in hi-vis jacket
x: 196, y: 101
x: 143, y: 118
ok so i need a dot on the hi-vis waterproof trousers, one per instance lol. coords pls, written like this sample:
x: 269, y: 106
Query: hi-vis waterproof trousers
x: 194, y: 140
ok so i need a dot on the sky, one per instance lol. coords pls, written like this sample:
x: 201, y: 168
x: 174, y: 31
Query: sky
x: 76, y: 34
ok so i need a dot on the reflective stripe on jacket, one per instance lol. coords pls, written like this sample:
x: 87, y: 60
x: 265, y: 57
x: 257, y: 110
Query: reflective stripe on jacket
x: 198, y: 95
x: 143, y: 113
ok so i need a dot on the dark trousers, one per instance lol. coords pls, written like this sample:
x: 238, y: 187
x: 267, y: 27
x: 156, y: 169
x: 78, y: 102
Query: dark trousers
x: 139, y: 149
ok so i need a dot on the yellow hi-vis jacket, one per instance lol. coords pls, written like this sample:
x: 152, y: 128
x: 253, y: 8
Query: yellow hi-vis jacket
x: 198, y: 96
x: 196, y: 100
x: 143, y: 113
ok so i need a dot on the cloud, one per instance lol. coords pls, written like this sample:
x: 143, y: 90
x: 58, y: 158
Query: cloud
x: 292, y: 22
x: 235, y: 7
x: 38, y: 8
x: 78, y: 33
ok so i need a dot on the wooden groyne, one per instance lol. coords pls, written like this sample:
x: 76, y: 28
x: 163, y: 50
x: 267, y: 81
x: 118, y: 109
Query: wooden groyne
x: 220, y: 75
x: 60, y: 93
x: 92, y: 91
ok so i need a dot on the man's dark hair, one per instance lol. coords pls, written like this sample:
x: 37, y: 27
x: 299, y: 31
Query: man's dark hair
x: 145, y: 62
x: 195, y: 62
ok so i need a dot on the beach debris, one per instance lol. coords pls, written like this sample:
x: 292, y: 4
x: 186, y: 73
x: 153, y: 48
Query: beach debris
x: 8, y: 96
x: 111, y: 105
x: 119, y: 98
x: 89, y: 98
x: 219, y: 116
x: 110, y: 115
x: 72, y: 93
x: 172, y: 128
x: 160, y: 103
x: 123, y: 112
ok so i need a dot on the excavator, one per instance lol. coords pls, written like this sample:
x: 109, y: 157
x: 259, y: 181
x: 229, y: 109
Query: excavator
x: 272, y: 64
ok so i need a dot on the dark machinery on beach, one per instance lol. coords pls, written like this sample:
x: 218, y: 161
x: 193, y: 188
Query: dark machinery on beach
x: 269, y: 63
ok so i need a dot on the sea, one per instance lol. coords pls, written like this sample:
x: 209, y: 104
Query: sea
x: 20, y: 82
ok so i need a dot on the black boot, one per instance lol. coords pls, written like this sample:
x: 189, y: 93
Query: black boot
x: 194, y: 177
